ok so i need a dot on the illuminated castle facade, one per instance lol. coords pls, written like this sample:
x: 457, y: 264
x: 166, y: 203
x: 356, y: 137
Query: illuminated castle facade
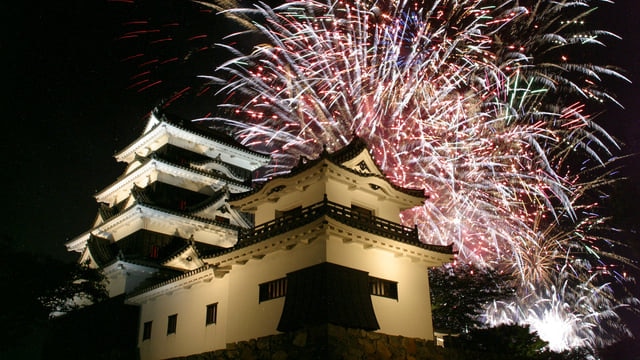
x: 210, y: 259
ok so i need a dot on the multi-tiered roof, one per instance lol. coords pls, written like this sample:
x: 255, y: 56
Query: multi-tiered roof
x: 185, y: 234
x: 170, y: 205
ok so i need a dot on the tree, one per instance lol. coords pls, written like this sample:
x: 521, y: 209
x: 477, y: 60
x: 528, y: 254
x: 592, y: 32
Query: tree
x: 34, y: 285
x: 79, y: 286
x: 512, y: 341
x: 509, y: 342
x: 460, y: 293
x: 107, y: 330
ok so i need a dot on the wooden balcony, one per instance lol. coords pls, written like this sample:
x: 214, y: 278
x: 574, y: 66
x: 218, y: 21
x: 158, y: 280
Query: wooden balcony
x: 345, y: 215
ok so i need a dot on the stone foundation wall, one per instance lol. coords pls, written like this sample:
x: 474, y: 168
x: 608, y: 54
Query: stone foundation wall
x: 327, y: 342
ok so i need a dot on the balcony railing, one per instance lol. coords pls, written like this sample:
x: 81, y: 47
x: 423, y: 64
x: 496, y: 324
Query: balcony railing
x: 343, y: 214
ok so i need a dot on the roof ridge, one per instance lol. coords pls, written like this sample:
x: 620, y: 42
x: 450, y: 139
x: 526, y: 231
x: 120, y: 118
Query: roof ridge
x: 179, y: 277
x: 205, y: 132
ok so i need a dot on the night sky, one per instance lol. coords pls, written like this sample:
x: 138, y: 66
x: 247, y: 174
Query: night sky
x: 69, y: 112
x: 69, y: 109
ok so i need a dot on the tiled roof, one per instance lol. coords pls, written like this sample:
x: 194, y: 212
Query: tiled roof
x: 106, y: 212
x: 200, y: 249
x: 212, y: 175
x: 353, y: 149
x: 101, y: 250
x: 206, y: 132
x: 217, y: 196
x: 158, y: 281
x: 142, y: 197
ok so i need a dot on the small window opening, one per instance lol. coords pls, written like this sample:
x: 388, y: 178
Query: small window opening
x: 273, y: 289
x: 384, y: 288
x: 212, y: 314
x: 172, y: 323
x: 146, y: 331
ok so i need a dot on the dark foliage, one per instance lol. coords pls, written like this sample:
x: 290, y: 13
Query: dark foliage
x: 459, y: 293
x: 511, y: 342
x: 73, y: 282
x: 515, y: 341
x: 34, y: 285
x: 104, y: 331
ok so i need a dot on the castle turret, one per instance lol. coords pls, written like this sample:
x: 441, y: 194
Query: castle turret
x: 170, y: 205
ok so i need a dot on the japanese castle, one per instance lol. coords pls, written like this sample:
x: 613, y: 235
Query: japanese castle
x: 210, y: 258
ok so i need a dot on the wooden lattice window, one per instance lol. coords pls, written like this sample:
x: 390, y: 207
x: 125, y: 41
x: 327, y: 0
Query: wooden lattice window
x: 384, y: 288
x: 146, y: 331
x: 360, y: 212
x: 212, y: 314
x: 273, y: 289
x: 172, y: 324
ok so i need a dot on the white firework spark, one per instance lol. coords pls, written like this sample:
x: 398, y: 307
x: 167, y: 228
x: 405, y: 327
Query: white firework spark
x: 478, y: 102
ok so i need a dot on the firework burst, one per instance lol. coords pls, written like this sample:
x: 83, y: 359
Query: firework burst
x: 163, y: 50
x: 478, y: 102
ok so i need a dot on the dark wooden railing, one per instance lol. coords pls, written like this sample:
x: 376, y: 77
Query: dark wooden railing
x: 343, y: 214
x: 282, y: 224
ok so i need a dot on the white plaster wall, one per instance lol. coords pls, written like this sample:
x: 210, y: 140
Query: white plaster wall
x: 252, y: 319
x: 237, y: 292
x: 242, y: 317
x: 339, y: 189
x: 126, y: 279
x: 408, y: 316
x: 117, y: 283
x: 312, y: 194
x: 339, y: 192
x: 192, y: 334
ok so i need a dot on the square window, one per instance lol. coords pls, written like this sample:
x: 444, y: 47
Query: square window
x: 172, y: 323
x: 212, y: 314
x: 146, y: 331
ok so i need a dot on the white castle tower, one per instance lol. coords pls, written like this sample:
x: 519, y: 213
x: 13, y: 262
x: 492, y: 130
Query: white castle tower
x: 211, y: 260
